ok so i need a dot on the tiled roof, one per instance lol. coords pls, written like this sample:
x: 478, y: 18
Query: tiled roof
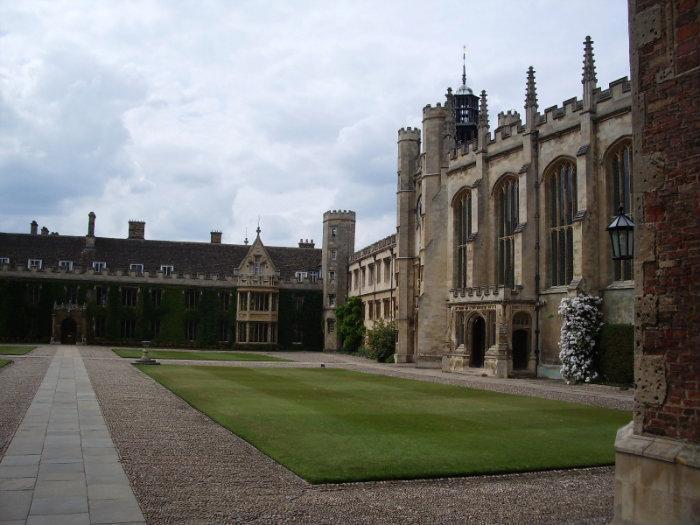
x: 186, y: 257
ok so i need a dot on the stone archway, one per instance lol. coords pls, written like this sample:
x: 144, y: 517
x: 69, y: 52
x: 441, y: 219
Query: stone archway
x: 69, y: 331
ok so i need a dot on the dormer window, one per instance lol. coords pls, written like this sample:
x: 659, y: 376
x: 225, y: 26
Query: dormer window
x: 99, y: 266
x: 300, y: 276
x: 66, y: 265
x: 136, y: 267
x: 4, y: 260
x: 34, y: 264
x: 167, y: 269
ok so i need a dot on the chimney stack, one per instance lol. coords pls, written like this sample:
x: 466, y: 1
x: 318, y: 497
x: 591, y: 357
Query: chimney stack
x: 90, y: 237
x: 306, y: 243
x: 44, y: 230
x: 33, y: 228
x: 216, y: 237
x: 137, y: 229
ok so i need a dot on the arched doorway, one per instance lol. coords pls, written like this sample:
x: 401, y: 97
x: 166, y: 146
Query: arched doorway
x: 521, y: 340
x: 68, y: 331
x: 478, y: 342
x: 520, y: 350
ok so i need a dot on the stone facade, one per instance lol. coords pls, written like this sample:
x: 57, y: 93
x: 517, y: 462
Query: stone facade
x: 657, y: 475
x: 494, y: 231
x: 372, y: 278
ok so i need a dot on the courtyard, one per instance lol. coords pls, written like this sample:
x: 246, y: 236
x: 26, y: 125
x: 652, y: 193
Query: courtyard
x: 268, y: 441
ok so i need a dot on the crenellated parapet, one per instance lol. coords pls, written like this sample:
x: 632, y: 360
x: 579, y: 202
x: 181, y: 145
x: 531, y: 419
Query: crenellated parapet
x: 436, y: 111
x: 380, y: 245
x: 409, y: 133
x: 339, y: 215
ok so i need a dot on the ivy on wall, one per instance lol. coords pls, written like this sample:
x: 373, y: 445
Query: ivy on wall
x: 300, y: 311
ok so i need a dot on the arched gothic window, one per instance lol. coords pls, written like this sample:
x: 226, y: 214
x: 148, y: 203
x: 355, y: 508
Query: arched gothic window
x: 463, y: 230
x: 561, y: 200
x: 506, y: 196
x: 620, y: 179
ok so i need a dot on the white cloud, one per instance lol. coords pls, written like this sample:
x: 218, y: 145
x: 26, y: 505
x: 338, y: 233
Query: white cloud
x: 201, y: 116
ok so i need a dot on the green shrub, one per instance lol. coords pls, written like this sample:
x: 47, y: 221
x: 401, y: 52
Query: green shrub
x: 381, y: 341
x: 615, y: 356
x: 350, y: 324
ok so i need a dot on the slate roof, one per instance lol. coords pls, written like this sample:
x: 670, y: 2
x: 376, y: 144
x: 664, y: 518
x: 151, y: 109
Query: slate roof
x: 186, y: 257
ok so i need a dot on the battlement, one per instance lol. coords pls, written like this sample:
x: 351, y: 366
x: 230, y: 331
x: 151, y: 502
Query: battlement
x: 506, y: 119
x: 409, y: 133
x: 616, y: 89
x: 339, y: 215
x: 381, y: 244
x: 437, y: 111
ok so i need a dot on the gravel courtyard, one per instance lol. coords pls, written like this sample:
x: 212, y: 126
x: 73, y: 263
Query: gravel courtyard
x: 184, y: 468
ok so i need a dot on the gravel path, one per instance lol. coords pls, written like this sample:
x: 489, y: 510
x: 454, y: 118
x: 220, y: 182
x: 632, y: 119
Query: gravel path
x: 19, y: 382
x: 185, y: 468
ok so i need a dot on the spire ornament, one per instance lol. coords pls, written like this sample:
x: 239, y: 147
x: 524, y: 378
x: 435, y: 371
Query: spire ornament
x: 483, y: 111
x: 531, y: 89
x: 588, y: 62
x: 464, y: 65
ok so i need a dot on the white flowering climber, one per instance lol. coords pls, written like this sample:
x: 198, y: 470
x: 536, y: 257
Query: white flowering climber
x: 581, y: 321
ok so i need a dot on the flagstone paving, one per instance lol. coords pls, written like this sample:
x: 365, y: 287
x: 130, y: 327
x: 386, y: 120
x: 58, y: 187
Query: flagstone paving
x: 61, y: 465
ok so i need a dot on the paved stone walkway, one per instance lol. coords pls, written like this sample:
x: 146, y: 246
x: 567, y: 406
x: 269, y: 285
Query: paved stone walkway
x: 61, y: 466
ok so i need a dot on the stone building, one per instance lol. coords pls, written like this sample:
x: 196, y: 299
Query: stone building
x: 495, y: 227
x: 657, y: 462
x: 105, y: 290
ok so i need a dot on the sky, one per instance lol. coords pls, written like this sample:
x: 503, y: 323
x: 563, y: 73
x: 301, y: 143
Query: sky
x: 205, y: 115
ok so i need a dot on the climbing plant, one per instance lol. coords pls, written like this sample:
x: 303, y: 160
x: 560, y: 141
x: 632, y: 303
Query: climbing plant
x: 581, y: 321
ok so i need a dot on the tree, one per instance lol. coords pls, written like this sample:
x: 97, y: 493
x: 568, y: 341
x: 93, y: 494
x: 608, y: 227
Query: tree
x: 351, y: 327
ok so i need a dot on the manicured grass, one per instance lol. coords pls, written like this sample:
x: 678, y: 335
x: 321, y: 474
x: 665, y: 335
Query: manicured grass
x: 202, y: 356
x: 15, y: 350
x: 330, y: 425
x: 4, y: 362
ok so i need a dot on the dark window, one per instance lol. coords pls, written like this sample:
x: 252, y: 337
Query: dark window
x: 507, y: 221
x: 127, y: 328
x: 100, y: 324
x: 259, y: 301
x: 191, y: 330
x: 155, y: 327
x: 71, y: 296
x: 33, y: 294
x: 129, y: 296
x: 191, y: 298
x: 297, y: 334
x: 463, y: 230
x: 101, y: 295
x: 299, y: 303
x: 331, y: 325
x: 224, y: 333
x: 561, y: 196
x: 156, y: 297
x: 621, y: 189
x: 225, y: 300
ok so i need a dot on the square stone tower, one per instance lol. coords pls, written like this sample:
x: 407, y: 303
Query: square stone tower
x: 338, y: 246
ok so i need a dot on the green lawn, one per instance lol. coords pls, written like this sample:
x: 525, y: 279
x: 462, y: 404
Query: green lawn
x: 4, y: 362
x: 15, y: 350
x: 330, y: 425
x: 202, y: 356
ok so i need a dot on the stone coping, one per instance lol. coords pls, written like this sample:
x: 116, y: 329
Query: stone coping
x: 657, y: 447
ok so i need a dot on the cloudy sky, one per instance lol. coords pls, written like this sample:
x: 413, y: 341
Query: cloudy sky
x: 203, y: 115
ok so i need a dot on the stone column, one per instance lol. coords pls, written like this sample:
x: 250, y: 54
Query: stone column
x: 657, y: 460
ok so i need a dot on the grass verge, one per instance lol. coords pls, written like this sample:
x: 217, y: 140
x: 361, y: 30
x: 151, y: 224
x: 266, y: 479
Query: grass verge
x: 4, y: 362
x: 202, y: 356
x: 330, y: 425
x: 15, y: 350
